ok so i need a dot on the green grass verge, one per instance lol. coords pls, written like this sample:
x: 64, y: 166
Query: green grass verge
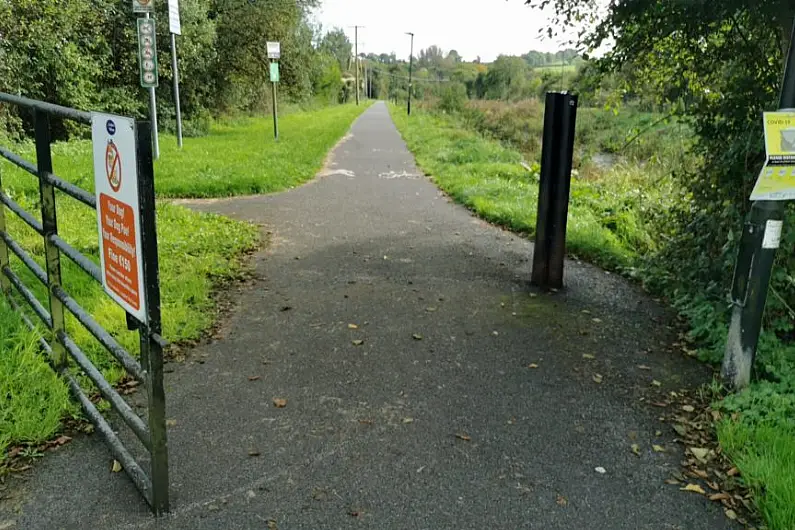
x: 198, y: 252
x: 488, y: 177
x: 765, y: 456
x: 238, y: 157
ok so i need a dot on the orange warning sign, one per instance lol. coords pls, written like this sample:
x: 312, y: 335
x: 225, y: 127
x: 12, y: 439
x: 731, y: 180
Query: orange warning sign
x: 119, y: 247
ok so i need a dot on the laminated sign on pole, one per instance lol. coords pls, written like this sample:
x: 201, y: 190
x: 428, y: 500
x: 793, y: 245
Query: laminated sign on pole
x: 118, y: 211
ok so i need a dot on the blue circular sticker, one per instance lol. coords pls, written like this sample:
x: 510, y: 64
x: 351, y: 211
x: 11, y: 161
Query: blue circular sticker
x: 111, y: 127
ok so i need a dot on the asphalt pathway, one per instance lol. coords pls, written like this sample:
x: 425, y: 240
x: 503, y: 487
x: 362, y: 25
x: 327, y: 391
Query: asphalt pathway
x: 435, y: 419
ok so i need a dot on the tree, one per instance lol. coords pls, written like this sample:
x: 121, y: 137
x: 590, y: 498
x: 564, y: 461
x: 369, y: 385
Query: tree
x: 718, y: 66
x: 506, y: 78
x: 336, y: 43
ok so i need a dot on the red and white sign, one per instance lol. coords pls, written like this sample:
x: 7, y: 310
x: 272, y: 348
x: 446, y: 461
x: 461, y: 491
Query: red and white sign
x: 118, y: 214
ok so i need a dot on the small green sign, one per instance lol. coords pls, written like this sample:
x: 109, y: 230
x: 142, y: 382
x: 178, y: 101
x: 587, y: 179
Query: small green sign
x: 147, y: 52
x: 274, y: 72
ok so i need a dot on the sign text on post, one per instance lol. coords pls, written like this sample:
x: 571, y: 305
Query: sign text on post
x: 118, y: 213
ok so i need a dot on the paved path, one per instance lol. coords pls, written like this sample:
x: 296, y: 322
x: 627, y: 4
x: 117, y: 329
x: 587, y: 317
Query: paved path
x: 368, y: 437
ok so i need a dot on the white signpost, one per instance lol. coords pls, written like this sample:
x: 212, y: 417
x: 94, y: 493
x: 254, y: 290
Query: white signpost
x: 274, y: 53
x: 274, y: 50
x: 118, y: 212
x: 175, y: 28
x: 173, y: 17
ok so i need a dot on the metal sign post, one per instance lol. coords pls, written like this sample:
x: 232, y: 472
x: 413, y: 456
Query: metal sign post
x: 274, y: 53
x: 147, y: 57
x: 175, y: 28
x: 761, y: 235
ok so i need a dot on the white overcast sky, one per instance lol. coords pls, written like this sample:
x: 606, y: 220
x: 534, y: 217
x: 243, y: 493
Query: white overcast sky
x: 485, y: 28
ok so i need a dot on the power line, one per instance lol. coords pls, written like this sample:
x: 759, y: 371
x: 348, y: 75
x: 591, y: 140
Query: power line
x: 413, y: 78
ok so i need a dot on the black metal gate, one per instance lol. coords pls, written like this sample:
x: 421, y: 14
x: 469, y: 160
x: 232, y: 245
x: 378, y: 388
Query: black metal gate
x: 63, y: 353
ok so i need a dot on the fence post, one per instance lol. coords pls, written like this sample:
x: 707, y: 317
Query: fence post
x: 49, y: 223
x: 151, y: 350
x: 5, y: 283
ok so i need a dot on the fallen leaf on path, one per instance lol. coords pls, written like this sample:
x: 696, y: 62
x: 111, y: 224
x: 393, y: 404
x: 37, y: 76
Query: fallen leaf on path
x: 658, y: 448
x: 700, y: 473
x: 695, y: 488
x: 353, y: 326
x: 116, y: 466
x: 357, y: 342
x: 588, y: 356
x: 657, y: 433
x: 416, y: 336
x: 464, y: 437
x: 495, y: 333
x: 731, y: 514
x: 62, y: 440
x: 672, y: 481
x: 253, y: 452
x: 408, y: 420
x: 532, y: 365
x: 680, y: 429
x: 366, y: 422
x: 279, y: 403
x: 600, y: 470
x: 171, y: 423
x: 561, y: 500
x: 254, y: 377
x: 643, y: 367
x: 597, y: 320
x: 733, y: 471
x: 635, y: 449
x: 272, y: 525
x: 430, y: 309
x: 700, y: 453
x: 688, y: 408
x: 597, y: 378
x: 656, y: 383
x: 719, y: 496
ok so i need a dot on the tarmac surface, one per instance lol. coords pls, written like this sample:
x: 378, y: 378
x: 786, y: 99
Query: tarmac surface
x: 436, y: 420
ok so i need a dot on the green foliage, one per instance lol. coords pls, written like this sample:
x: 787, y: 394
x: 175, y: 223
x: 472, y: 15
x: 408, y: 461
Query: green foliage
x: 454, y: 97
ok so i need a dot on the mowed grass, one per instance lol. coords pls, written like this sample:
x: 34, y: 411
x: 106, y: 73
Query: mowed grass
x: 238, y: 157
x: 489, y: 178
x: 198, y: 252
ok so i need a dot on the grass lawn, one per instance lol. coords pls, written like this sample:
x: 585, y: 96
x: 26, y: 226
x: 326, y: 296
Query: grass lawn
x: 197, y: 251
x: 488, y: 177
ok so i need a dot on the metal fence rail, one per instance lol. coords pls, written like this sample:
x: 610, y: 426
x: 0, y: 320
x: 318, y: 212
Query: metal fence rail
x: 63, y: 353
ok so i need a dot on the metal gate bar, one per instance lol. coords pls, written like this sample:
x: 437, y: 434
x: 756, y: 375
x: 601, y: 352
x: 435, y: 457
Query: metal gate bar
x: 61, y: 350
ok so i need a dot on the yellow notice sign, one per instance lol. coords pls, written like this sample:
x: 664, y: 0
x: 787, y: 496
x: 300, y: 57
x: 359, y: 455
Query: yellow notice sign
x: 777, y: 180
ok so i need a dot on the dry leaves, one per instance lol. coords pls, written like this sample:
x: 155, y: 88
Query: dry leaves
x: 656, y: 383
x: 353, y: 326
x: 116, y: 466
x: 658, y: 448
x: 279, y: 403
x: 254, y: 378
x: 695, y: 488
x: 688, y: 408
x: 588, y: 356
x: 561, y: 500
x: 416, y: 336
x: 357, y: 342
x: 408, y: 420
x: 464, y: 437
x: 532, y: 365
x: 597, y: 378
x: 635, y: 449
